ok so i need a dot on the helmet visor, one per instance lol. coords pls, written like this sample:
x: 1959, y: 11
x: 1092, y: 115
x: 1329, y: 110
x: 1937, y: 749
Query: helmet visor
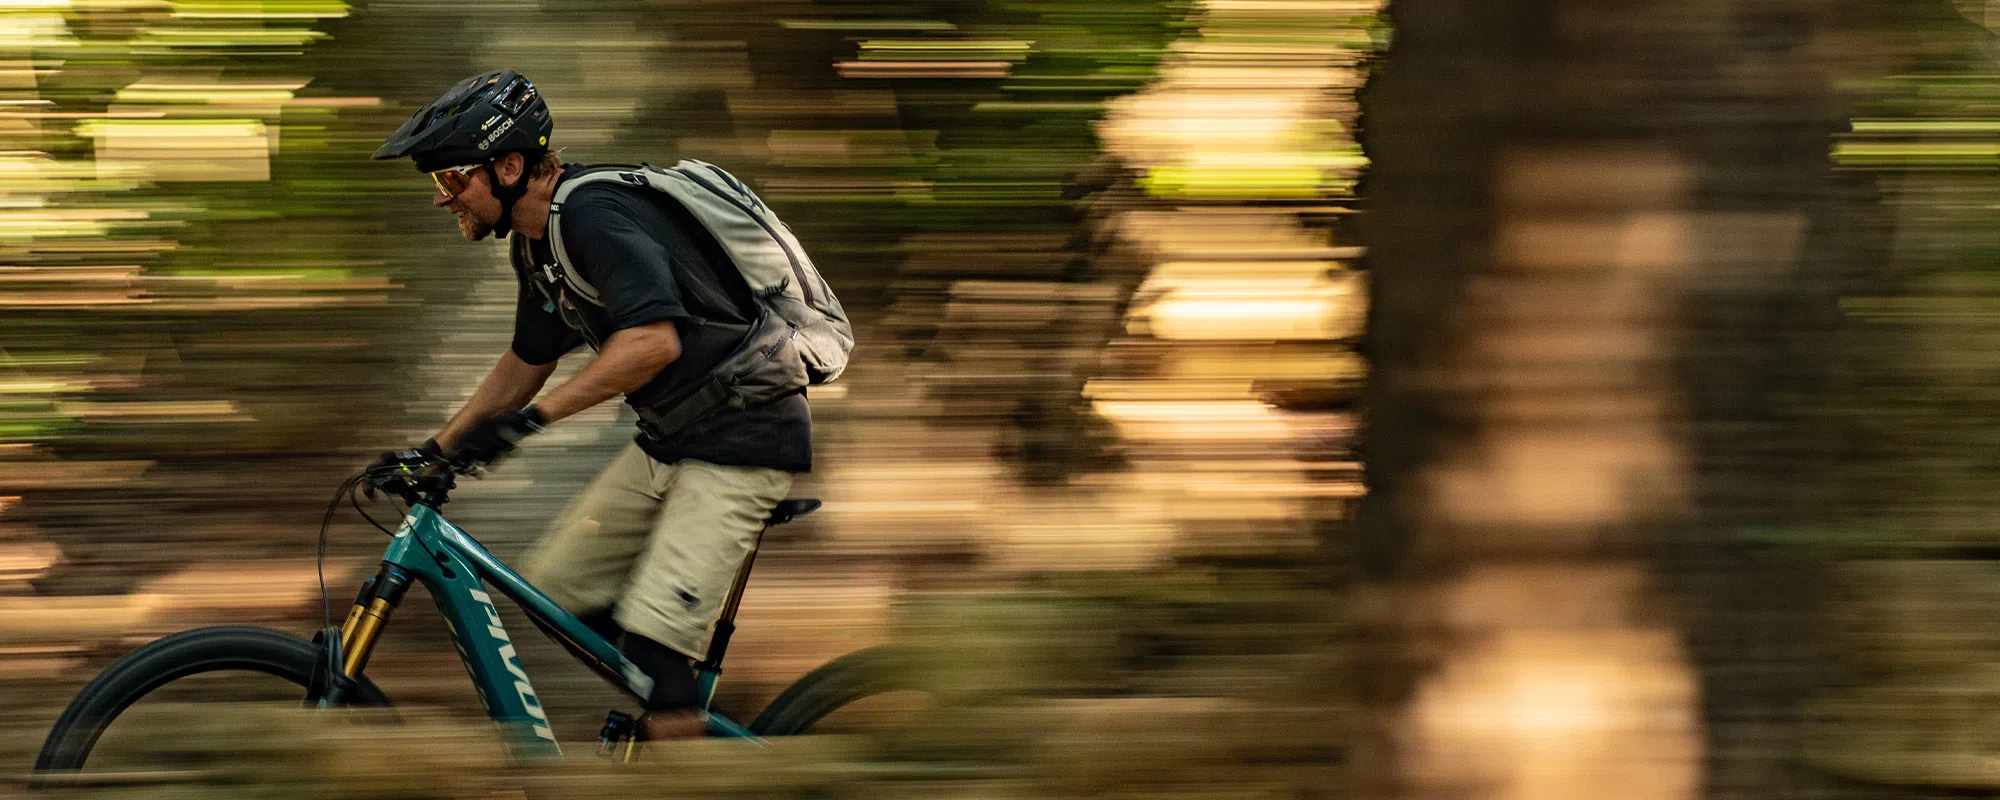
x: 453, y: 180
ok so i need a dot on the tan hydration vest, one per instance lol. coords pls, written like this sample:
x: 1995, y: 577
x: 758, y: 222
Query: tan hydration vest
x: 800, y: 336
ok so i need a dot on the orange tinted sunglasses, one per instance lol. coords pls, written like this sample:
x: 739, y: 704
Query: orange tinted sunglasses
x: 453, y: 180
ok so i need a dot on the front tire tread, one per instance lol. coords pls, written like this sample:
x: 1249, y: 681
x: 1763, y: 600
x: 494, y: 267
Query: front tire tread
x: 223, y: 648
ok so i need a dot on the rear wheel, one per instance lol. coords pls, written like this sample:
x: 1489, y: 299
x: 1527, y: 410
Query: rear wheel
x: 226, y: 662
x: 878, y: 681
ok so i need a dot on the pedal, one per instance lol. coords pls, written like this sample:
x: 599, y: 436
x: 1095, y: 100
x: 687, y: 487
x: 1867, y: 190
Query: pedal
x: 620, y: 733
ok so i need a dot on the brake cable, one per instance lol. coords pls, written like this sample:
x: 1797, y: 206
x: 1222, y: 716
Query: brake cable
x: 356, y: 502
x: 347, y: 489
x: 319, y: 566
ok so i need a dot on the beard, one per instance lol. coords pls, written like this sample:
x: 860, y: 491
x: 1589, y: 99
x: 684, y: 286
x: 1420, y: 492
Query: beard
x: 472, y: 228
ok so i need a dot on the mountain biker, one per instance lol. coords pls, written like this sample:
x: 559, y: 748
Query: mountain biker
x: 647, y: 553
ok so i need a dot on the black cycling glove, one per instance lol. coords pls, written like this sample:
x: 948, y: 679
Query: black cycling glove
x: 494, y: 436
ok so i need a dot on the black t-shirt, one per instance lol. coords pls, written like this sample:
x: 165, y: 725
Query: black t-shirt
x: 651, y: 261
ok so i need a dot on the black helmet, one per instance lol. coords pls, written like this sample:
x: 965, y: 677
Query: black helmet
x: 480, y: 118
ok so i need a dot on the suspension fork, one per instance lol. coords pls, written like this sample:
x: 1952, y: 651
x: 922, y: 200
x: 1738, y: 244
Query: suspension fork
x: 378, y: 599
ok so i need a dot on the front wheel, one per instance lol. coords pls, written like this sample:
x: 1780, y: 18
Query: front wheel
x: 184, y: 655
x: 843, y: 682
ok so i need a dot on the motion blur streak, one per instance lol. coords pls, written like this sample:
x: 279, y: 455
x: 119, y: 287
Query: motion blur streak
x: 1662, y: 335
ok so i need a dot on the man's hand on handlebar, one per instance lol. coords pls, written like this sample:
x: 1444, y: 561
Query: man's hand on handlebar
x: 398, y: 472
x: 407, y: 473
x: 495, y: 436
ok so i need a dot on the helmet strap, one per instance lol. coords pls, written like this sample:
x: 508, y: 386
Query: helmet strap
x: 507, y: 195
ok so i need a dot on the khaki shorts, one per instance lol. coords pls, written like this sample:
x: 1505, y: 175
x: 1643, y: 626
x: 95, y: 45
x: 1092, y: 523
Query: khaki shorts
x: 661, y: 542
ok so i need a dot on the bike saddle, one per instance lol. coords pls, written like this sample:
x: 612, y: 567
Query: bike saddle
x: 791, y: 509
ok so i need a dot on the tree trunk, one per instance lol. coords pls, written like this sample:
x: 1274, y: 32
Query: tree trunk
x: 1587, y: 226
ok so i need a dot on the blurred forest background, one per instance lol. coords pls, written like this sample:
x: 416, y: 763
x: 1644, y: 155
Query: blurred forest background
x: 1670, y: 324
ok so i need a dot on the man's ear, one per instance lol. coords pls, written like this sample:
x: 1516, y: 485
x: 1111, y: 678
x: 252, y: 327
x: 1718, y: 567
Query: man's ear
x: 509, y: 168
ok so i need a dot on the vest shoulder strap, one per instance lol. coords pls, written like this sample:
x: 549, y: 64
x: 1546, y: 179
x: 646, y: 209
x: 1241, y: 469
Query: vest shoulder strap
x: 569, y: 274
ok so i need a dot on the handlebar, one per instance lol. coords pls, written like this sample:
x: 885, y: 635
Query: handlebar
x: 429, y: 485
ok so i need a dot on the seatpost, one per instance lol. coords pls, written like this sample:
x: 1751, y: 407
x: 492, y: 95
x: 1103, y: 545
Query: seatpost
x: 725, y: 626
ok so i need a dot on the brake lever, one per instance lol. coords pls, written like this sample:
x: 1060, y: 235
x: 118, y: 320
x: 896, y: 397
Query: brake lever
x: 389, y: 481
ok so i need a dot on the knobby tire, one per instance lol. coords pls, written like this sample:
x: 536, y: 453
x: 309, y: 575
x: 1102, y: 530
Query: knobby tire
x: 855, y: 676
x: 230, y: 648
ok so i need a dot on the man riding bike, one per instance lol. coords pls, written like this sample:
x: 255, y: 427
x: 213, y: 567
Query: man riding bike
x: 647, y: 553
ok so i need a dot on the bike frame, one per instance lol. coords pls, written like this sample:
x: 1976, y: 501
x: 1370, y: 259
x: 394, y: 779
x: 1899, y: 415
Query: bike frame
x: 456, y: 569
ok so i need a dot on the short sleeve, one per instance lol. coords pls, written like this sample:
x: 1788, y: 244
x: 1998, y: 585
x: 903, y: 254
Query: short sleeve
x: 607, y: 241
x: 540, y: 336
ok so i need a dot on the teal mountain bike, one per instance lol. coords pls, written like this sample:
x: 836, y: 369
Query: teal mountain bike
x: 457, y: 571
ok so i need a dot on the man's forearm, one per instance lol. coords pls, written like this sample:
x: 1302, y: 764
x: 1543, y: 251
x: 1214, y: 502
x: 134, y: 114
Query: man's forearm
x: 629, y: 359
x: 510, y: 385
